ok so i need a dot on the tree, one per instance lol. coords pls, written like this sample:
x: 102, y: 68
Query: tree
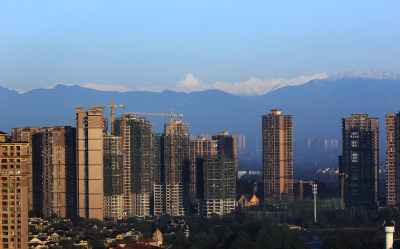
x: 341, y: 241
x: 97, y: 241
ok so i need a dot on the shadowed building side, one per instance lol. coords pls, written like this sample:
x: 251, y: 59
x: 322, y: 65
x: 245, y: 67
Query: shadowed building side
x: 52, y: 163
x: 140, y: 171
x: 113, y: 177
x: 199, y: 147
x: 360, y: 160
x: 171, y: 195
x: 216, y: 185
x: 25, y: 134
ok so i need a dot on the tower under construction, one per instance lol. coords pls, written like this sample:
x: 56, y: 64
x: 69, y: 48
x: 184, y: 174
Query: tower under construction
x: 171, y: 188
x: 138, y: 138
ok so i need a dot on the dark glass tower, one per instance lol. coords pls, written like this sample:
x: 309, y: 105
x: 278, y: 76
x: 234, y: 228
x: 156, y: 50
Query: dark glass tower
x: 359, y: 163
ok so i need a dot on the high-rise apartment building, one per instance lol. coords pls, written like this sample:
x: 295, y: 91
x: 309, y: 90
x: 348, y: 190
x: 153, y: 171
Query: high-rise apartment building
x: 198, y: 148
x: 14, y: 191
x: 89, y: 158
x: 25, y: 134
x: 277, y: 132
x: 171, y: 188
x: 227, y: 145
x: 393, y: 159
x: 216, y: 185
x: 359, y: 163
x: 53, y: 171
x: 124, y: 131
x: 141, y: 161
x: 52, y: 165
x: 113, y: 177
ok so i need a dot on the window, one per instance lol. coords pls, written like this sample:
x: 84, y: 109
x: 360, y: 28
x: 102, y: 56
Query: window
x: 354, y: 134
x: 354, y: 157
x: 354, y: 143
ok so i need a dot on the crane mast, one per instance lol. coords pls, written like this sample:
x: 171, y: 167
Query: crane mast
x: 112, y: 106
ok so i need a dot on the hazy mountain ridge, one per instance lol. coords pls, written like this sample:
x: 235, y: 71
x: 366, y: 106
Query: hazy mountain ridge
x: 317, y: 106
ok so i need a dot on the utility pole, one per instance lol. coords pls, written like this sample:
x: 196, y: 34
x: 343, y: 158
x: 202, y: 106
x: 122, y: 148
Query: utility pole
x: 314, y: 190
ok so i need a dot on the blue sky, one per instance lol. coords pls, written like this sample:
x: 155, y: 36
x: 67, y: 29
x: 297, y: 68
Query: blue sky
x: 158, y: 43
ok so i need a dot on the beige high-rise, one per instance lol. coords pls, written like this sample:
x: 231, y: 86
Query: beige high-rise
x: 277, y: 130
x: 393, y: 159
x: 14, y: 193
x: 89, y: 159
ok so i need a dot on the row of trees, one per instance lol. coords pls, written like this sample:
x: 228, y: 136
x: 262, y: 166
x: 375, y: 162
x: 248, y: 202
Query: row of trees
x: 257, y: 229
x: 239, y: 230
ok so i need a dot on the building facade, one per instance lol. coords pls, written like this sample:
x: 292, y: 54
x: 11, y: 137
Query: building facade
x: 141, y: 162
x: 53, y: 169
x: 277, y: 131
x: 14, y: 190
x: 393, y: 159
x: 199, y: 147
x: 227, y: 145
x: 171, y: 169
x: 124, y: 131
x: 113, y: 177
x: 359, y: 163
x: 25, y: 134
x: 216, y: 185
x: 89, y: 157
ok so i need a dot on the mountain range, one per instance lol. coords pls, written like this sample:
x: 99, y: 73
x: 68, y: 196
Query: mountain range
x: 317, y: 106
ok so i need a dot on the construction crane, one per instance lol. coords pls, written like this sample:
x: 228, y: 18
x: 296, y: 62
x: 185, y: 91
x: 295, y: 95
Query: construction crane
x: 112, y: 106
x: 171, y: 118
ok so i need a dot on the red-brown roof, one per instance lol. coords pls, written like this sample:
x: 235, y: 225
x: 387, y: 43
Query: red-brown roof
x: 136, y: 246
x: 148, y: 240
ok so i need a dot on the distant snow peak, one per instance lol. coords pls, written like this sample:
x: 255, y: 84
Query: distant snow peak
x: 55, y: 85
x: 156, y: 89
x: 251, y: 87
x: 376, y: 73
x: 189, y: 84
x: 20, y: 91
x: 110, y: 88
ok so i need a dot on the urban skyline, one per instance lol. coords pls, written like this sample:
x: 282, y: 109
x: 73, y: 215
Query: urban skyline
x: 232, y: 124
x: 184, y: 176
x: 41, y: 138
